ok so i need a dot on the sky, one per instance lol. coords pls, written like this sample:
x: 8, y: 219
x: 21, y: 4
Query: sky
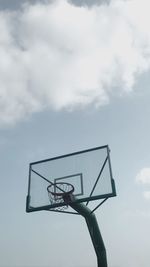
x: 75, y: 75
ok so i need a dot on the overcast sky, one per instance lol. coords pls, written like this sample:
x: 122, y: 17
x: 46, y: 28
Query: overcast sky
x: 75, y: 75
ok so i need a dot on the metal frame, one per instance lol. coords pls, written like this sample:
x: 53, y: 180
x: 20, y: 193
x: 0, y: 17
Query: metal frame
x: 71, y: 154
x: 101, y: 170
x: 87, y: 199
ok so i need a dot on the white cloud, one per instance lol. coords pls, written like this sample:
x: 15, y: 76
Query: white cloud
x: 143, y: 177
x: 146, y: 195
x: 57, y: 55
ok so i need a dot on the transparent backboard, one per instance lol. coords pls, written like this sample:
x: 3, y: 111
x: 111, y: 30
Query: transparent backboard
x: 88, y: 171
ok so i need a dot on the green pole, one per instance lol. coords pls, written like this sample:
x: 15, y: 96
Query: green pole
x: 94, y: 231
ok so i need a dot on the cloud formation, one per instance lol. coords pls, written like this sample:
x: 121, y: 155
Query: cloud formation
x: 143, y: 178
x: 89, y: 2
x: 147, y: 195
x: 57, y: 55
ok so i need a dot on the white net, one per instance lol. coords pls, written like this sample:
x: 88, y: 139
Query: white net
x: 57, y: 193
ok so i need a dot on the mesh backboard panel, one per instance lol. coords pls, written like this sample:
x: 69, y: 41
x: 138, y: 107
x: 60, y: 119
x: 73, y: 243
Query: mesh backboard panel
x: 89, y: 172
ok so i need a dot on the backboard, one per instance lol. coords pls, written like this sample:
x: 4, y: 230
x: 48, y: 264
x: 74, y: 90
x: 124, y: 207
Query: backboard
x: 88, y: 172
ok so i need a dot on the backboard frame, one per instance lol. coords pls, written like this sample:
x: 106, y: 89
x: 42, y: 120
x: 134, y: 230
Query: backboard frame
x: 86, y: 199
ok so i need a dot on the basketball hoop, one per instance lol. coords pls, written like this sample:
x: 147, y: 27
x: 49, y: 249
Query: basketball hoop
x: 59, y: 193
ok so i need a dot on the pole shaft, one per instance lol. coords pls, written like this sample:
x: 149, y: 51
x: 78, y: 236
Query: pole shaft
x: 94, y: 231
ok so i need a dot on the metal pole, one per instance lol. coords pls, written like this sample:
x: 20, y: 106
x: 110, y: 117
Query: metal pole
x: 94, y: 231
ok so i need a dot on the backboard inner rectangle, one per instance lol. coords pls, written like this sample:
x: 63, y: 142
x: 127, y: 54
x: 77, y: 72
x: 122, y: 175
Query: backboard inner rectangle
x: 75, y: 179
